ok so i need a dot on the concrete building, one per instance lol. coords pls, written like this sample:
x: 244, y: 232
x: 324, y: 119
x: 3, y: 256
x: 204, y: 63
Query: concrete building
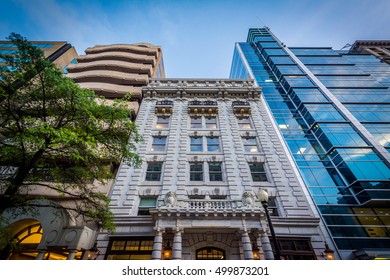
x: 209, y: 148
x: 115, y: 70
x: 332, y: 109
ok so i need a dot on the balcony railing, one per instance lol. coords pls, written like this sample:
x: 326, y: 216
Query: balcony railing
x: 211, y: 204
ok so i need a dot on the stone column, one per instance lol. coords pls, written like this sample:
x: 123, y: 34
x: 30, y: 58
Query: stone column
x: 176, y: 250
x: 157, y: 245
x: 246, y: 246
x: 267, y: 248
x: 71, y: 255
x: 41, y: 255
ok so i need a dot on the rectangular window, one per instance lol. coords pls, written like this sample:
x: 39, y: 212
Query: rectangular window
x: 258, y: 172
x: 211, y: 122
x: 145, y: 204
x: 244, y: 123
x: 196, y: 122
x: 159, y: 143
x: 196, y: 172
x: 215, y: 171
x: 250, y: 144
x: 153, y: 173
x: 162, y: 122
x: 196, y: 144
x: 213, y: 144
x: 130, y: 249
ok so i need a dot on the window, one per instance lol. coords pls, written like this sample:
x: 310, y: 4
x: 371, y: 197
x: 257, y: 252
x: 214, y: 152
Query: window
x: 250, y: 144
x: 145, y: 204
x: 258, y: 172
x: 153, y: 173
x: 162, y: 122
x: 210, y: 253
x: 211, y: 122
x: 159, y: 143
x: 196, y: 122
x: 244, y: 123
x: 208, y: 122
x: 272, y: 207
x: 213, y: 144
x: 196, y: 144
x: 196, y: 172
x: 295, y: 249
x: 130, y: 249
x: 215, y: 171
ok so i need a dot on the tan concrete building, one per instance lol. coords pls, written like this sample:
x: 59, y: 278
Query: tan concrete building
x: 115, y: 70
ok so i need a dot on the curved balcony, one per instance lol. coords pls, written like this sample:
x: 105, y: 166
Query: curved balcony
x: 111, y: 90
x: 113, y: 77
x: 141, y: 48
x: 110, y: 65
x: 117, y: 56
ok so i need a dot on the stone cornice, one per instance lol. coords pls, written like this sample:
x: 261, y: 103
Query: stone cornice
x: 201, y: 88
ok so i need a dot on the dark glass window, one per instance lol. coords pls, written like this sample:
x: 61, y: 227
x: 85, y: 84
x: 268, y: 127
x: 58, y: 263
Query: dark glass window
x: 159, y: 143
x: 258, y: 172
x: 153, y: 172
x: 196, y: 172
x: 215, y: 171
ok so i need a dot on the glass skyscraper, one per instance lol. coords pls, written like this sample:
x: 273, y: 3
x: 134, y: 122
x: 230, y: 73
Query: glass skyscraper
x: 333, y: 110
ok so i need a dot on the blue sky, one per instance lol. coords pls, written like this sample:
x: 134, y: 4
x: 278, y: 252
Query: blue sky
x: 197, y: 37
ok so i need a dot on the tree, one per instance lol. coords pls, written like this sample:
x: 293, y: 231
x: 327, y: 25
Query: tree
x: 57, y: 137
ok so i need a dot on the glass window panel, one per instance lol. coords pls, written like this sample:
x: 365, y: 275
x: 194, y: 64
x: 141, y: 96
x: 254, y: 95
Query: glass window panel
x: 250, y: 144
x: 211, y: 122
x: 244, y: 123
x: 196, y: 172
x: 159, y: 144
x: 196, y: 144
x: 257, y: 172
x: 215, y: 171
x: 153, y: 172
x: 196, y: 122
x: 162, y: 122
x: 213, y: 144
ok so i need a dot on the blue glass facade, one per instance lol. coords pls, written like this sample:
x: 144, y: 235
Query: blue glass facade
x: 333, y: 110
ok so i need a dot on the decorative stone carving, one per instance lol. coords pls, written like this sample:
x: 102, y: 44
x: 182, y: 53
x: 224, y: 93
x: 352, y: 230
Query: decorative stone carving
x: 170, y: 199
x: 248, y: 200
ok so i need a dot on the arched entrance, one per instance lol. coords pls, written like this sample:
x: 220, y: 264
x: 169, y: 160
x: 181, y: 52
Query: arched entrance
x: 210, y: 253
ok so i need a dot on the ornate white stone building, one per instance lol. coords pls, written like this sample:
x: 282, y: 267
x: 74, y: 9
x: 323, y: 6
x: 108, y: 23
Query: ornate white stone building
x: 209, y: 147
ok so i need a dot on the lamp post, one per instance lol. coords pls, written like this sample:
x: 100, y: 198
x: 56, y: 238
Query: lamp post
x: 329, y: 253
x: 263, y: 197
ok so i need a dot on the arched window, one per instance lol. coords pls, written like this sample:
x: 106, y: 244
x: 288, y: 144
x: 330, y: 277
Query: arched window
x: 210, y: 253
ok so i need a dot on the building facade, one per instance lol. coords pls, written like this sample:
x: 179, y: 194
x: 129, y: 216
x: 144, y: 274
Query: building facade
x: 332, y: 108
x: 50, y: 231
x: 209, y: 148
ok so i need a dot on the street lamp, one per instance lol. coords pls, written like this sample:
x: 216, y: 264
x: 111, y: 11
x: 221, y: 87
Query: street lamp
x: 329, y: 253
x: 263, y: 197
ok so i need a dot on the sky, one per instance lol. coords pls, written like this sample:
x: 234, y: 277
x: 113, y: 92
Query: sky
x: 197, y: 37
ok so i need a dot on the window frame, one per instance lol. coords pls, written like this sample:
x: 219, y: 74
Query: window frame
x: 193, y: 173
x: 254, y: 173
x: 159, y: 145
x: 152, y: 172
x: 215, y: 173
x: 164, y: 125
x: 249, y: 146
